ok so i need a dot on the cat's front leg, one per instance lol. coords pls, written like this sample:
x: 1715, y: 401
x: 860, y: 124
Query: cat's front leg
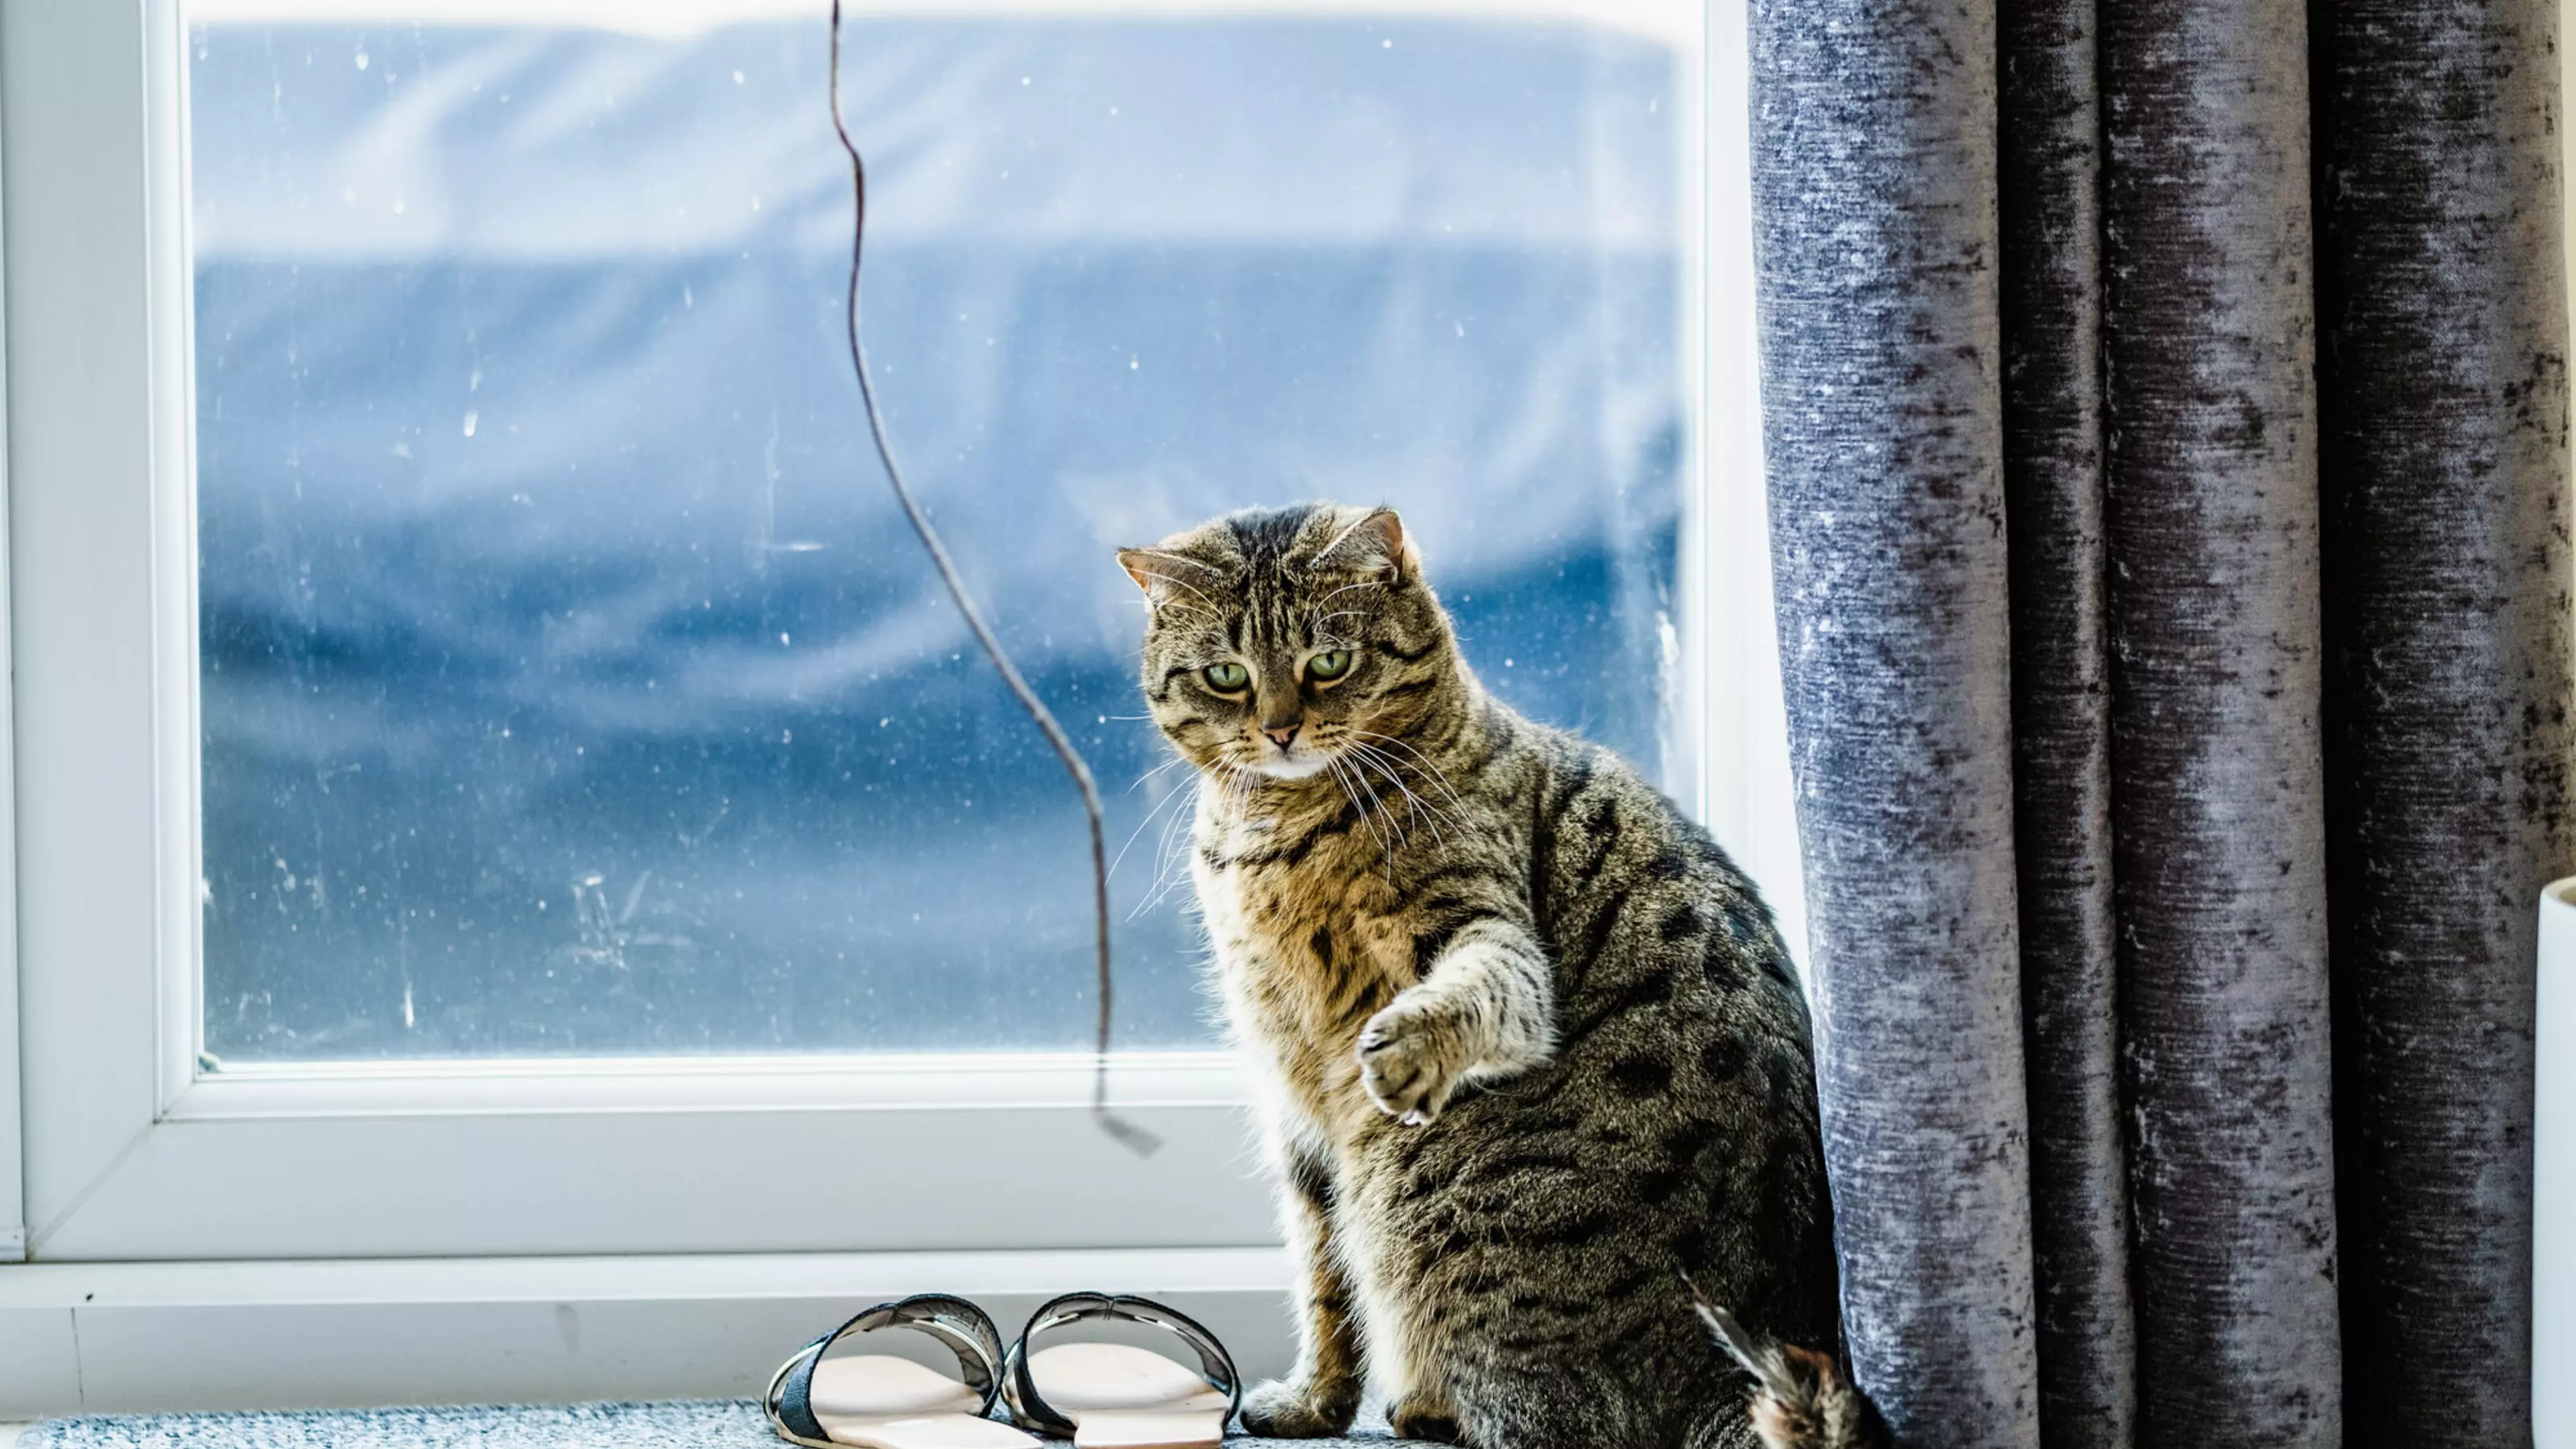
x: 1322, y: 1395
x: 1485, y: 1009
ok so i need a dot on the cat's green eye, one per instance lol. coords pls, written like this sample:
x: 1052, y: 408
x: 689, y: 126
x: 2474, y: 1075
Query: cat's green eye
x: 1331, y: 664
x: 1226, y: 678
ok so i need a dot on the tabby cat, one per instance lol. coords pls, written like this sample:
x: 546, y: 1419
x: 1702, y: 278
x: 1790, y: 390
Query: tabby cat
x: 1535, y: 1065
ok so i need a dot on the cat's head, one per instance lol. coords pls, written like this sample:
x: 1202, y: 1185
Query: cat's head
x: 1282, y: 640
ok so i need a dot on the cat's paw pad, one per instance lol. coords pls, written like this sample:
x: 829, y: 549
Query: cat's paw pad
x: 1410, y: 1057
x: 1282, y: 1409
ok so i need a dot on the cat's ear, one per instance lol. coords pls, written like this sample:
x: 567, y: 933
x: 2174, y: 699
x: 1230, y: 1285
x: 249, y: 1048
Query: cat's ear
x: 1155, y: 571
x: 1374, y: 545
x: 1139, y: 565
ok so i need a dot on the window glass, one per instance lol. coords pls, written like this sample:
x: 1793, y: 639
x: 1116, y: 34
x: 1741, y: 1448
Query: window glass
x: 571, y: 684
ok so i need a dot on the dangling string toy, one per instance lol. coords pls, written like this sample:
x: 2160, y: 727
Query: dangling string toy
x: 1128, y: 1134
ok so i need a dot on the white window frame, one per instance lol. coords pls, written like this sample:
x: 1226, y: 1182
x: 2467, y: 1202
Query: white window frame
x: 140, y: 1172
x: 13, y: 1201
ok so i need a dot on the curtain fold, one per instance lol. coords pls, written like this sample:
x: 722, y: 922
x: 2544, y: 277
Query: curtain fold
x: 2216, y: 741
x: 2165, y: 407
x: 1874, y: 180
x: 2049, y: 202
x: 2446, y: 574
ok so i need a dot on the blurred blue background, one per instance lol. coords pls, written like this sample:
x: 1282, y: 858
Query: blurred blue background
x: 571, y: 684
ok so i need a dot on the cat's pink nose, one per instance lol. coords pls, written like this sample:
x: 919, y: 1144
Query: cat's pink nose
x: 1283, y: 738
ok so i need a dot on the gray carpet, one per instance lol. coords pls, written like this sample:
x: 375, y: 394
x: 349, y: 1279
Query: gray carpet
x: 698, y: 1425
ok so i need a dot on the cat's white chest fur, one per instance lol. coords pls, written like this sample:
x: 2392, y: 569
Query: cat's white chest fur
x: 1294, y: 946
x: 1218, y: 842
x: 1257, y: 1013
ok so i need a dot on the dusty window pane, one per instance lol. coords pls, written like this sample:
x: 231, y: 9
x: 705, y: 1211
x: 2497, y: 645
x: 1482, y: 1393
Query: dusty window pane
x: 571, y: 685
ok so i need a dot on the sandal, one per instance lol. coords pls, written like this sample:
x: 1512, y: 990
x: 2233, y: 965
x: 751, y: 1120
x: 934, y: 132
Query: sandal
x: 1115, y: 1395
x: 880, y: 1401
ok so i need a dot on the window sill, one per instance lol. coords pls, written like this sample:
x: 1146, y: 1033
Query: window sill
x: 132, y: 1337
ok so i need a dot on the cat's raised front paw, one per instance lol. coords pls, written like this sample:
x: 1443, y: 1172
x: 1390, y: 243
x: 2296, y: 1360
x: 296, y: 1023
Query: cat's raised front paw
x: 1410, y: 1057
x: 1282, y: 1409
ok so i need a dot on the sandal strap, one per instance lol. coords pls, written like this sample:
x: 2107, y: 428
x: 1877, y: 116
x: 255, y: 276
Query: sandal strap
x: 967, y: 1330
x: 1031, y: 1411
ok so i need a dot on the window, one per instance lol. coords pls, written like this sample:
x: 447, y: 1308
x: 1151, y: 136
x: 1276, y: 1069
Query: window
x: 483, y: 735
x: 569, y: 683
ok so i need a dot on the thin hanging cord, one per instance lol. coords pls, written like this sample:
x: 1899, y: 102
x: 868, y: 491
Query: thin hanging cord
x: 1135, y: 1138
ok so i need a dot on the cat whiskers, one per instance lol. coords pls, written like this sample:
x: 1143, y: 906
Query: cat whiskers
x: 1385, y: 848
x: 1158, y: 769
x: 1422, y: 762
x: 1159, y: 807
x: 1356, y: 756
x: 1385, y: 764
x: 1233, y: 786
x: 1165, y: 860
x: 1442, y: 822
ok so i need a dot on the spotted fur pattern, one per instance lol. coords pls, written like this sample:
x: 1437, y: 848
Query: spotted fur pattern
x: 1533, y: 1057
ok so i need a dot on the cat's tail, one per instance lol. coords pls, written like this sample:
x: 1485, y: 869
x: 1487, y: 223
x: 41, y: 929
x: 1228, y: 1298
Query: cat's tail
x: 1801, y: 1399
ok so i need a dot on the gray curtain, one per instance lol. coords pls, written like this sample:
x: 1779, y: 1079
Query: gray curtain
x: 2166, y: 414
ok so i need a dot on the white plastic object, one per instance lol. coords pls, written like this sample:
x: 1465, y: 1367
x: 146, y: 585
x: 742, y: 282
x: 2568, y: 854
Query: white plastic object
x: 2553, y: 1195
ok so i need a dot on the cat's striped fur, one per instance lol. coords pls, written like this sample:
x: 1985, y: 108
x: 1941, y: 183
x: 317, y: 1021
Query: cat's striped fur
x: 1535, y: 1060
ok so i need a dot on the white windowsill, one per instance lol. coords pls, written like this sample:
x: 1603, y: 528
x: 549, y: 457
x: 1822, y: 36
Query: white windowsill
x: 129, y: 1337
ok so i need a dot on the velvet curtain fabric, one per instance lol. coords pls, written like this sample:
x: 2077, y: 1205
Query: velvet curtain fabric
x: 2166, y: 419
